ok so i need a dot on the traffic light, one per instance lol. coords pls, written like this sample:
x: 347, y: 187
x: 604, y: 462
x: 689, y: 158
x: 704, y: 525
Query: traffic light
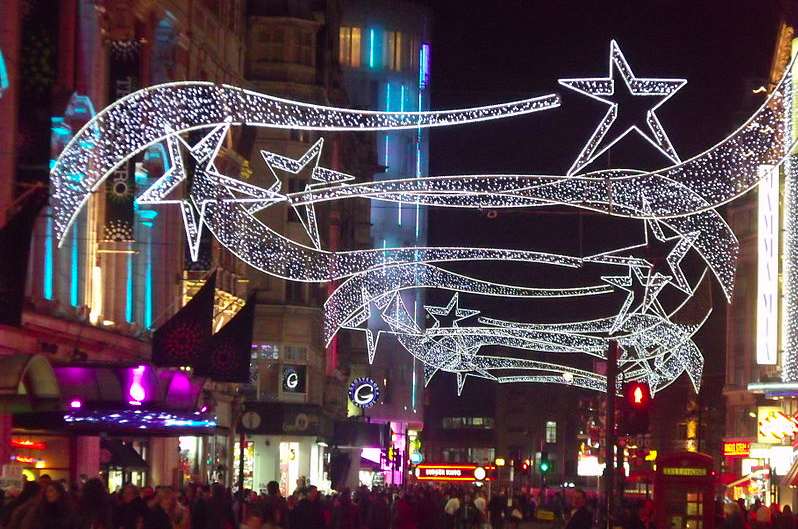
x: 544, y: 465
x: 635, y: 408
x: 525, y: 466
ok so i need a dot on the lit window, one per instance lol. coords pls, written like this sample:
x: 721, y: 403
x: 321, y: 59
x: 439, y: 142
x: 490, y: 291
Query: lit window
x: 551, y: 432
x: 349, y: 47
x: 393, y: 50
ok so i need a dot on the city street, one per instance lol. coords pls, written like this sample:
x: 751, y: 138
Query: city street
x: 398, y: 264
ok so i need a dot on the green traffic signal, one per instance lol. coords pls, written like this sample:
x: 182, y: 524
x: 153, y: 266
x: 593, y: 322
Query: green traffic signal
x: 544, y: 466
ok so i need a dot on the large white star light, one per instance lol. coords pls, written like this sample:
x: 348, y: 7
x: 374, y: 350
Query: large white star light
x: 603, y: 88
x: 652, y: 284
x: 208, y: 184
x: 452, y: 312
x: 321, y: 176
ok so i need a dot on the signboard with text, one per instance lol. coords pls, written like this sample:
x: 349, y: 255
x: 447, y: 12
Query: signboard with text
x: 736, y: 447
x: 774, y: 426
x: 451, y: 472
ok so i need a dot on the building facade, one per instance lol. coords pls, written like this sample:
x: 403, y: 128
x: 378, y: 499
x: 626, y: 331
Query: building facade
x: 384, y: 53
x: 761, y: 388
x: 92, y: 303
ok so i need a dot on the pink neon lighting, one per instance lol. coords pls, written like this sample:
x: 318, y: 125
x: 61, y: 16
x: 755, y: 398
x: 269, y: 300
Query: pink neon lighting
x: 136, y: 391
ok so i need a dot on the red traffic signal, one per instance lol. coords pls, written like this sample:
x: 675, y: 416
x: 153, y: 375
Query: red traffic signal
x: 637, y: 394
x: 635, y: 408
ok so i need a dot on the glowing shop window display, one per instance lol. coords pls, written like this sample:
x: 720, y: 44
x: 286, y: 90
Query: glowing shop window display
x: 249, y: 462
x: 289, y: 467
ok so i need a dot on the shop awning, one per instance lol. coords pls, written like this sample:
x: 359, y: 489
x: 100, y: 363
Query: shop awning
x: 790, y: 479
x: 739, y: 482
x: 116, y: 454
x: 27, y: 383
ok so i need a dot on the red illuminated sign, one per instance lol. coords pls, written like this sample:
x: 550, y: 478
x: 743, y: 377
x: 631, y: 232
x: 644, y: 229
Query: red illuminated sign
x: 453, y: 472
x: 736, y: 448
x: 29, y: 444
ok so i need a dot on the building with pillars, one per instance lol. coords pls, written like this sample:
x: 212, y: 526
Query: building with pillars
x: 122, y: 270
x: 761, y: 388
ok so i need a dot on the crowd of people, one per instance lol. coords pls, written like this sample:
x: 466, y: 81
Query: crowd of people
x: 757, y: 516
x: 49, y: 504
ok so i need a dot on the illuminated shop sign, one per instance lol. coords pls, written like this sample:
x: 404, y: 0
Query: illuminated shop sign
x: 736, y: 448
x: 364, y: 392
x: 684, y: 471
x: 451, y: 473
x: 294, y: 379
x: 774, y: 425
x: 29, y: 444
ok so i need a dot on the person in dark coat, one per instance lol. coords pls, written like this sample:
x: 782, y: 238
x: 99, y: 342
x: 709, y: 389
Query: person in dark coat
x: 130, y: 511
x: 308, y: 514
x: 157, y: 516
x: 53, y: 511
x: 273, y: 506
x: 580, y: 516
x: 94, y: 507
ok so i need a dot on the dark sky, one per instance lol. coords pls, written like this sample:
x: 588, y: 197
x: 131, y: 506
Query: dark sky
x: 489, y: 52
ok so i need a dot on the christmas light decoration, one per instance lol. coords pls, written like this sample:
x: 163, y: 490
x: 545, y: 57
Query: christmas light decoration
x: 676, y: 206
x: 140, y: 419
x: 602, y: 88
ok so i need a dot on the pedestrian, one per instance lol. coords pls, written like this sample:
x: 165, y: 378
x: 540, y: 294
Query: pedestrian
x: 94, y: 506
x: 156, y: 516
x: 580, y: 516
x: 451, y: 510
x: 273, y: 506
x: 344, y: 514
x: 130, y: 510
x: 496, y: 507
x: 379, y: 516
x: 24, y: 502
x: 52, y: 511
x: 308, y: 511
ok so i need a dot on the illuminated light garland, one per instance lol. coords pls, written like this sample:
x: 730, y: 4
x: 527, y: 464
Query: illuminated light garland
x: 600, y: 88
x: 681, y: 197
x: 140, y: 419
x: 151, y: 114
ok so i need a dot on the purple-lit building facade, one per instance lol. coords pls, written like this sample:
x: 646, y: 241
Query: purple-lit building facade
x: 78, y: 395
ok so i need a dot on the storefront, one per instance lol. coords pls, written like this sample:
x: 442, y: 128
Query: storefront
x: 123, y: 423
x: 285, y: 443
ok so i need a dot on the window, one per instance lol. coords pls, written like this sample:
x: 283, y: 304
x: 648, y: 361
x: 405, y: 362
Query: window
x: 393, y: 50
x: 349, y: 52
x: 265, y: 351
x: 273, y: 40
x: 455, y: 423
x: 551, y: 432
x: 295, y: 292
x: 295, y: 353
x: 304, y: 47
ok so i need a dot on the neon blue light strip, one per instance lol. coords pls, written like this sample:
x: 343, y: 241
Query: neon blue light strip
x: 3, y: 74
x: 48, y: 258
x: 75, y: 271
x: 387, y: 109
x: 129, y: 290
x: 148, y: 289
x: 371, y: 47
x: 418, y: 165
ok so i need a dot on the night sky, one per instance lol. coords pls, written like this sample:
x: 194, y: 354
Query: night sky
x: 489, y: 52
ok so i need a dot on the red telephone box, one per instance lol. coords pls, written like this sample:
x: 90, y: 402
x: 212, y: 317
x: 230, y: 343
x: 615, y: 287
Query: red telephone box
x: 684, y: 491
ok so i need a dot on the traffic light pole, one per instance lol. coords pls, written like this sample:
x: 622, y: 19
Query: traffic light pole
x: 609, y: 442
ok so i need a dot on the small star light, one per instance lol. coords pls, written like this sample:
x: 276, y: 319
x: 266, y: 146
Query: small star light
x: 603, y: 88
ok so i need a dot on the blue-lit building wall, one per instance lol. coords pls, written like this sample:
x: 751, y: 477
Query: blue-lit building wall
x: 385, y: 57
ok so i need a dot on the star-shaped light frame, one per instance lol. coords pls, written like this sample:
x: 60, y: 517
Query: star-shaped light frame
x: 602, y: 87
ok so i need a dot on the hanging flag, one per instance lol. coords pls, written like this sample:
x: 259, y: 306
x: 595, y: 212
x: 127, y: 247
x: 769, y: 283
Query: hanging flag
x: 178, y: 341
x: 227, y: 355
x: 15, y: 238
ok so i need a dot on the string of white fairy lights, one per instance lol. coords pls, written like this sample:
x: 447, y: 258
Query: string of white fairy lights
x: 681, y: 197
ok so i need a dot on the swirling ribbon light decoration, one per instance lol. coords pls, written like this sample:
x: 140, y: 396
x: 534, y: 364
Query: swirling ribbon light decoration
x: 681, y: 198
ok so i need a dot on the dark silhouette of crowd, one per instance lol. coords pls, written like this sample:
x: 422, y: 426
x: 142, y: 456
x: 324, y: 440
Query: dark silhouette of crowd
x: 48, y: 504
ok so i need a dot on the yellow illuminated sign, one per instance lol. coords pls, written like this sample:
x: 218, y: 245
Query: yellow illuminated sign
x: 684, y: 471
